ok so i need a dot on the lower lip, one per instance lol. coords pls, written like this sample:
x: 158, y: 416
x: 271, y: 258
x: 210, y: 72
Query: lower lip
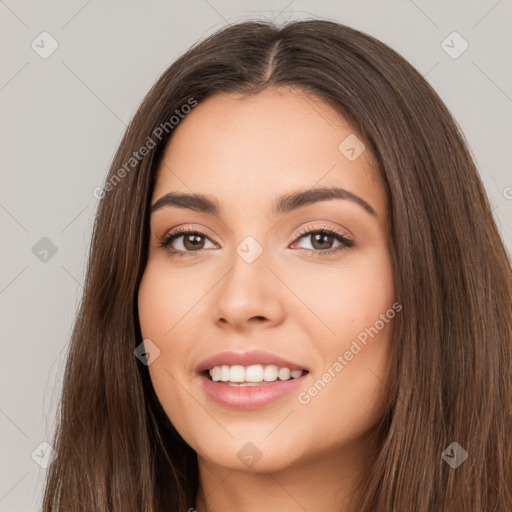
x: 250, y: 397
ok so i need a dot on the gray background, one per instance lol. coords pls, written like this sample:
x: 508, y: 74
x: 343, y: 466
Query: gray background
x: 63, y: 117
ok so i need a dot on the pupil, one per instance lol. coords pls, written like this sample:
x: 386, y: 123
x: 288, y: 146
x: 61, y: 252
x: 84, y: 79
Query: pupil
x: 194, y: 240
x: 317, y: 239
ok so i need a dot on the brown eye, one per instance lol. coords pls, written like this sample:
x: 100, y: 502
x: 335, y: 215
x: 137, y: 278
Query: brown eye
x: 322, y: 241
x: 185, y: 241
x: 193, y: 242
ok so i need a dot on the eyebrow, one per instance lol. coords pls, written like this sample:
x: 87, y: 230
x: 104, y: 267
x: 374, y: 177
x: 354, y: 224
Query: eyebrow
x: 284, y: 204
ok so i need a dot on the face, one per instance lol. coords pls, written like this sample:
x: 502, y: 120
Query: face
x: 260, y: 283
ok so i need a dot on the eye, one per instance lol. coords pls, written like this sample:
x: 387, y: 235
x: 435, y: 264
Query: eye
x: 192, y: 241
x: 322, y: 240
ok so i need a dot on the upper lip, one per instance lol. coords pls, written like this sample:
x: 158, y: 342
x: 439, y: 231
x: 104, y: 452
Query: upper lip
x: 247, y: 359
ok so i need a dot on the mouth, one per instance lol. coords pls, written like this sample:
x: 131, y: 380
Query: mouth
x: 253, y: 375
x: 250, y: 380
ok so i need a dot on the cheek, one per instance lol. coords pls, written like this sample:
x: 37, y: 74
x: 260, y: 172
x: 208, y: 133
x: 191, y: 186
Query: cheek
x: 347, y: 298
x: 156, y: 303
x: 168, y: 303
x: 167, y: 298
x: 348, y: 396
x: 356, y: 303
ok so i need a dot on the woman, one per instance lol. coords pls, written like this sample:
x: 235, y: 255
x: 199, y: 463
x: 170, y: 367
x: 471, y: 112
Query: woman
x: 296, y: 298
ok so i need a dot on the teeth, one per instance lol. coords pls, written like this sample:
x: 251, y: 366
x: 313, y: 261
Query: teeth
x: 237, y: 373
x: 254, y: 373
x: 284, y: 373
x: 270, y: 373
x: 247, y: 375
x: 224, y: 373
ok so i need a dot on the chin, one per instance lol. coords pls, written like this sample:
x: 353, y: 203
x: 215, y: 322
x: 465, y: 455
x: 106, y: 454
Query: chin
x: 251, y: 457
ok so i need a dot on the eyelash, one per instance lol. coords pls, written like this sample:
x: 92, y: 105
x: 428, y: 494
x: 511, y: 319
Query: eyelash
x: 166, y: 240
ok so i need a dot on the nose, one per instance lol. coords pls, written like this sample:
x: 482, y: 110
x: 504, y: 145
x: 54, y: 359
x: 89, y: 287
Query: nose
x: 249, y: 295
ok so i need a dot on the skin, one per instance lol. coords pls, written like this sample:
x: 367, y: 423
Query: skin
x: 303, y: 306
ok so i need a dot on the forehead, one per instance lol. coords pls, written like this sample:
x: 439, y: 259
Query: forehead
x: 252, y: 148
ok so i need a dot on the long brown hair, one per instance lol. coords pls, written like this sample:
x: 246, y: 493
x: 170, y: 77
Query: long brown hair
x: 452, y: 352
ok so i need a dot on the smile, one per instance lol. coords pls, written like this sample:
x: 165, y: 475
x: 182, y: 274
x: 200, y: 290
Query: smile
x: 253, y: 375
x: 249, y: 380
